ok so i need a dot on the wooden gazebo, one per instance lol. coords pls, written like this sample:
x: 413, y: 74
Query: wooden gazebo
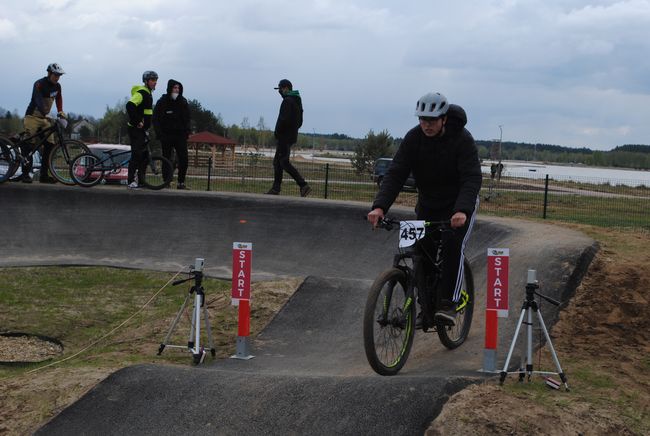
x: 202, y: 145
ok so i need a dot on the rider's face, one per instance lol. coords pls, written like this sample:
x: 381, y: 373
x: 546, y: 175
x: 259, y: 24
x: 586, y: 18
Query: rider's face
x: 432, y: 126
x: 54, y: 78
x: 151, y: 83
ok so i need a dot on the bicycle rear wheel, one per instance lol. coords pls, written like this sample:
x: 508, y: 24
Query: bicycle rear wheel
x: 454, y: 336
x: 389, y: 322
x: 8, y: 159
x: 86, y: 170
x: 61, y: 158
x: 158, y: 173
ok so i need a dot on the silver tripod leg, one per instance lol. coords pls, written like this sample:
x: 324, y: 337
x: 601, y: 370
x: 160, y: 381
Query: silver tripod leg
x: 550, y: 345
x: 173, y: 326
x: 195, y: 327
x: 208, y: 329
x: 504, y: 371
x: 529, y: 345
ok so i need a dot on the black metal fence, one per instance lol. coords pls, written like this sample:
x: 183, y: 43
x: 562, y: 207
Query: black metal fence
x: 607, y: 203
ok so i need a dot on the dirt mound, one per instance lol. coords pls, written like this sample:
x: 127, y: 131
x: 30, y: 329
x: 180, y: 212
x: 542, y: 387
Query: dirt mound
x: 603, y: 342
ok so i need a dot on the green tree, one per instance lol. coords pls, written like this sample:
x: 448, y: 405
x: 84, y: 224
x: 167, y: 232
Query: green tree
x: 204, y: 119
x: 371, y: 148
x: 112, y: 128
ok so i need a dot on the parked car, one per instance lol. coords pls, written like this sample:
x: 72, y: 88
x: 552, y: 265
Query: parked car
x: 119, y: 176
x: 381, y: 168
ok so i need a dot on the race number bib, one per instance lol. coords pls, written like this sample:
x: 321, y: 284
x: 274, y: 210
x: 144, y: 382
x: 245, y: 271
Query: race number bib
x: 409, y: 232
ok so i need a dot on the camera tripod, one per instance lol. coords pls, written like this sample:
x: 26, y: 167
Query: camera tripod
x: 194, y: 341
x: 530, y: 306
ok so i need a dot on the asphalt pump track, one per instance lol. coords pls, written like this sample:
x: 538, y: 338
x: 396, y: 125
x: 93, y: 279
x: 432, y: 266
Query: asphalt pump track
x: 309, y: 374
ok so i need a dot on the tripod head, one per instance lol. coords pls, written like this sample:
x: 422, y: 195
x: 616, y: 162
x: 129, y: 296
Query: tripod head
x: 196, y: 274
x: 532, y: 287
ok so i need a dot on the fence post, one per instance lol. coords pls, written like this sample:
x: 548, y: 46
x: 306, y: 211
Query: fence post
x: 545, y: 196
x: 327, y: 177
x: 209, y: 171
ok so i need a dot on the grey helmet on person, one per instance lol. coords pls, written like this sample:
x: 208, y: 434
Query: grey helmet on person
x: 432, y: 105
x: 149, y: 75
x: 55, y: 68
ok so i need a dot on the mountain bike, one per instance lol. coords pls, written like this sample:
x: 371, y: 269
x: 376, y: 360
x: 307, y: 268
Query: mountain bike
x: 389, y: 320
x: 88, y: 169
x: 63, y: 150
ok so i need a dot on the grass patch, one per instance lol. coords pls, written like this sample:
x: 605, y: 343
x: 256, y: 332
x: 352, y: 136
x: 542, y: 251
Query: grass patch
x: 78, y: 305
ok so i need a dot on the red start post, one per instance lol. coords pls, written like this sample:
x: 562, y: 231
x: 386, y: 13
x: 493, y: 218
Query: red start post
x: 242, y: 256
x: 497, y: 294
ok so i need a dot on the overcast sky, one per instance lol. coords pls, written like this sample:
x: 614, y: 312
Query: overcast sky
x: 567, y: 72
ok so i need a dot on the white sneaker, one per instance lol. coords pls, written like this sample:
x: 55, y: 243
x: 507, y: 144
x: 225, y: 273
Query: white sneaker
x: 133, y: 185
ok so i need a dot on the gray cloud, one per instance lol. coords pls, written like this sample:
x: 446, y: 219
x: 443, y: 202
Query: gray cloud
x: 561, y: 71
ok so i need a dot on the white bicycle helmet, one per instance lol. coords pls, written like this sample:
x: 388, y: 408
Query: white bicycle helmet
x: 55, y: 68
x: 432, y: 105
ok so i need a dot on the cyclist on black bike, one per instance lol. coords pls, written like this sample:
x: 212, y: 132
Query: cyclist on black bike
x: 45, y: 93
x: 139, y: 109
x: 443, y: 158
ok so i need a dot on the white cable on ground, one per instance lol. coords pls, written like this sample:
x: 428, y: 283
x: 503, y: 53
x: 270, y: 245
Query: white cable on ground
x: 112, y: 331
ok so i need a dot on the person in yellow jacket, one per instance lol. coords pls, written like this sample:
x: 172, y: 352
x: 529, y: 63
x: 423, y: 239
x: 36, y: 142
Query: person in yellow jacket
x: 45, y: 93
x: 139, y: 109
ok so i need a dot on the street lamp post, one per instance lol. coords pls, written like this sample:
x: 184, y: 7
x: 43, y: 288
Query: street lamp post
x: 500, y: 139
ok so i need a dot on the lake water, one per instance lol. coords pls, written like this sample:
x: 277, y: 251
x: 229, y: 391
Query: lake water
x: 532, y: 170
x: 576, y: 173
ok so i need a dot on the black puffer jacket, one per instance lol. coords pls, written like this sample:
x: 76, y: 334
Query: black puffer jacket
x: 289, y: 118
x: 172, y: 117
x: 446, y: 168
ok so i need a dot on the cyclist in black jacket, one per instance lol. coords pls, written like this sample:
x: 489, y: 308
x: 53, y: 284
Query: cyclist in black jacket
x: 444, y: 160
x: 171, y: 121
x: 139, y: 109
x: 286, y: 134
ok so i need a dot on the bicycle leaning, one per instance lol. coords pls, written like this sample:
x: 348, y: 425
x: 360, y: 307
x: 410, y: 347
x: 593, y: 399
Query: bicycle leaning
x: 63, y: 151
x: 88, y: 169
x: 389, y: 320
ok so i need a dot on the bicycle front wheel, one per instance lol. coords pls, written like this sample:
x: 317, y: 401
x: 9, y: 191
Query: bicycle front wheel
x: 8, y: 159
x: 454, y: 336
x: 61, y: 158
x: 389, y: 322
x: 86, y: 170
x: 158, y: 173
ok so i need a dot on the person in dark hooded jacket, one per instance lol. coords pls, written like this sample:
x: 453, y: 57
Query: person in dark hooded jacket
x: 286, y: 134
x: 443, y: 157
x: 171, y: 122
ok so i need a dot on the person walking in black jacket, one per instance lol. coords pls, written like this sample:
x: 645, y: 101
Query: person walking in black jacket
x: 139, y: 109
x: 171, y: 122
x: 286, y: 134
x: 443, y: 157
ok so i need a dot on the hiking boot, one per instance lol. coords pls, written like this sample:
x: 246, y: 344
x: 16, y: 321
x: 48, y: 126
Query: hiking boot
x: 273, y: 192
x: 446, y: 315
x: 305, y: 190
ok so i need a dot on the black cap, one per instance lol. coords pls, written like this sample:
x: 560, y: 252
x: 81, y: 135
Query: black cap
x: 284, y: 83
